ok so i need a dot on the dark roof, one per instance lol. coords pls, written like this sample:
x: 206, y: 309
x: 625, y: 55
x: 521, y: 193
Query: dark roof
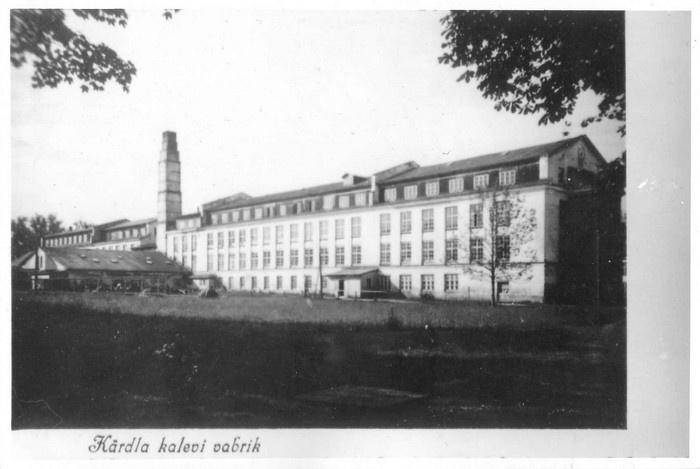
x: 68, y: 232
x: 122, y: 261
x: 129, y: 224
x: 108, y: 224
x: 351, y: 272
x: 189, y: 215
x: 483, y: 162
x: 314, y: 191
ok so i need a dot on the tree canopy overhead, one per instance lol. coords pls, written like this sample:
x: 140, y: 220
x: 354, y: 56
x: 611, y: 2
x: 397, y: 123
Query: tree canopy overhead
x: 61, y: 54
x: 540, y: 61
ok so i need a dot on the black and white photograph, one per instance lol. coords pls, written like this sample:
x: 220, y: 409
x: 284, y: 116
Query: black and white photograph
x: 236, y: 230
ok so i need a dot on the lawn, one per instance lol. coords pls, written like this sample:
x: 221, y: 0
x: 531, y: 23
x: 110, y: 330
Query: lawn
x: 108, y: 360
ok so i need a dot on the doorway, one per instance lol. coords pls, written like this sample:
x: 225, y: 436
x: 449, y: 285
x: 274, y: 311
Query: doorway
x: 341, y: 288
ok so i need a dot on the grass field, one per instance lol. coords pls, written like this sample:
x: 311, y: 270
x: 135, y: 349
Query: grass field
x: 107, y: 360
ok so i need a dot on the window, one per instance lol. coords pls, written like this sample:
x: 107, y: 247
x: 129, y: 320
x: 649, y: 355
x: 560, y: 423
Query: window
x: 266, y: 283
x: 384, y: 282
x: 215, y: 219
x: 476, y: 215
x: 344, y: 201
x: 241, y: 239
x: 266, y: 235
x: 476, y: 250
x: 360, y: 199
x: 293, y: 232
x: 220, y: 240
x: 194, y: 262
x: 339, y: 255
x: 385, y: 223
x: 253, y: 236
x: 428, y: 220
x: 246, y: 214
x: 329, y: 202
x: 451, y: 250
x: 294, y: 258
x: 307, y: 282
x: 405, y: 222
x: 231, y: 239
x: 241, y: 262
x: 258, y: 213
x: 451, y: 218
x: 323, y: 254
x: 224, y: 217
x: 503, y: 213
x: 279, y: 258
x: 428, y: 251
x: 253, y: 282
x: 308, y: 257
x: 279, y: 282
x: 210, y: 262
x: 176, y: 245
x: 220, y: 262
x: 506, y: 178
x: 355, y: 227
x: 235, y: 216
x: 231, y: 261
x: 253, y: 260
x: 405, y: 282
x: 427, y: 283
x: 187, y: 262
x: 481, y: 180
x: 432, y: 188
x: 451, y: 282
x: 210, y: 241
x: 340, y: 229
x: 405, y: 252
x: 241, y: 283
x: 456, y: 185
x: 279, y: 234
x: 323, y: 230
x: 385, y: 254
x: 503, y: 248
x: 410, y: 192
x: 356, y: 255
x: 293, y: 282
x: 308, y: 231
x: 390, y: 194
x: 324, y: 282
x: 283, y: 210
x: 266, y: 259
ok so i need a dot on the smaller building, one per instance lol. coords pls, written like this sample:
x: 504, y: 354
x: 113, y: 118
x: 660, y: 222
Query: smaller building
x: 137, y: 235
x: 80, y: 269
x: 79, y: 237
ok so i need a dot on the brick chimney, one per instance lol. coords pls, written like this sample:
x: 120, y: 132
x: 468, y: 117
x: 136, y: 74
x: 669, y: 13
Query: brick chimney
x: 169, y: 195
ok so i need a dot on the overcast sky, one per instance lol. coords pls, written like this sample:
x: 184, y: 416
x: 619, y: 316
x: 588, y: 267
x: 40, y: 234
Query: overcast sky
x: 262, y: 101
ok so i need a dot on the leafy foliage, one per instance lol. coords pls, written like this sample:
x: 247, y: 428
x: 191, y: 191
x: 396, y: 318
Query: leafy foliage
x: 506, y: 233
x: 63, y: 55
x: 540, y: 61
x: 27, y: 233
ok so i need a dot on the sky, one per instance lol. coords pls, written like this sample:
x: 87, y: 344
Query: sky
x: 261, y: 101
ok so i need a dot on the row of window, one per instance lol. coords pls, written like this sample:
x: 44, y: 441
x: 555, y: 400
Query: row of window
x: 432, y: 188
x: 476, y: 220
x: 455, y: 185
x: 359, y: 199
x: 127, y: 233
x: 427, y: 283
x: 476, y: 254
x: 67, y: 240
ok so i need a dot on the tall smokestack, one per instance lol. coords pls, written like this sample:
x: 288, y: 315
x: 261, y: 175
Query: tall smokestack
x: 169, y: 195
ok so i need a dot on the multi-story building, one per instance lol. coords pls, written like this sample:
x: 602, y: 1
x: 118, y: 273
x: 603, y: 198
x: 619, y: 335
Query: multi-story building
x: 118, y: 235
x: 407, y: 231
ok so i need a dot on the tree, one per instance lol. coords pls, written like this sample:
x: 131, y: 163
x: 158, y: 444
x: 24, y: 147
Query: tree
x: 540, y: 61
x: 63, y: 55
x: 501, y: 228
x: 82, y: 225
x: 27, y: 233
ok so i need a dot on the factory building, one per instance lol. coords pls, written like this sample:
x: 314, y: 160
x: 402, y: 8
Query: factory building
x: 526, y: 222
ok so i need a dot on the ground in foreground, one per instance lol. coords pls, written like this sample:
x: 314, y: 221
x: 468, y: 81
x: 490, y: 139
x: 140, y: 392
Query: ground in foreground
x: 86, y: 361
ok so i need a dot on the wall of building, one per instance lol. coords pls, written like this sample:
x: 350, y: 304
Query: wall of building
x: 470, y: 284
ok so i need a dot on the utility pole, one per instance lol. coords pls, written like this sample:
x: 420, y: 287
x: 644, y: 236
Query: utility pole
x: 320, y: 272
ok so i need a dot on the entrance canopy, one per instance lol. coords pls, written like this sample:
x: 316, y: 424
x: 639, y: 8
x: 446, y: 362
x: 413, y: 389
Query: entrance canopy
x: 352, y: 272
